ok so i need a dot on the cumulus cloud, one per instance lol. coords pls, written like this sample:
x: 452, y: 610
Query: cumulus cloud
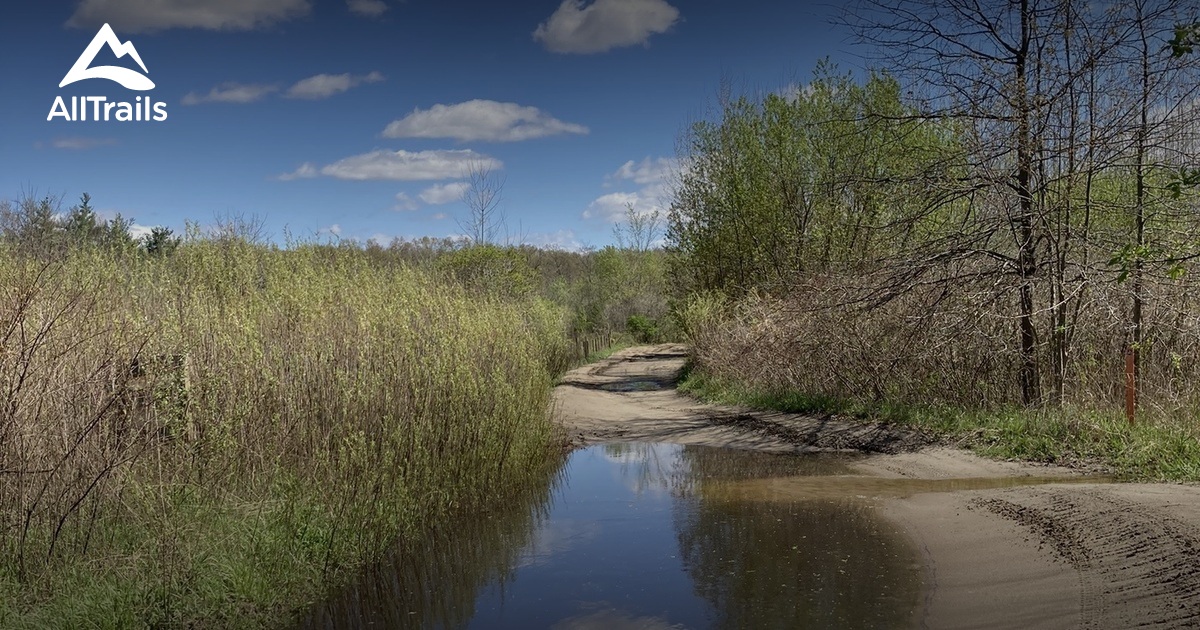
x: 304, y: 171
x: 367, y: 8
x: 399, y: 166
x: 326, y: 85
x: 381, y: 239
x: 648, y: 171
x: 80, y: 143
x: 139, y: 16
x: 582, y: 28
x: 404, y: 203
x: 138, y: 231
x: 652, y: 176
x: 230, y: 93
x: 443, y: 193
x: 611, y: 207
x: 409, y: 165
x: 480, y: 120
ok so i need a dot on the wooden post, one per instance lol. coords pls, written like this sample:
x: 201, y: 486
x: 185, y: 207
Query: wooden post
x: 1130, y: 385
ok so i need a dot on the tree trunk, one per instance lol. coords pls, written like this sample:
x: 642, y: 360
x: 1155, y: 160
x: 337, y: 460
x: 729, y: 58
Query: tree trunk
x: 1026, y: 254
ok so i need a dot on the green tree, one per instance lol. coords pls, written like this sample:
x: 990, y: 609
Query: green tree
x: 81, y: 224
x: 822, y: 176
x: 116, y: 234
x: 160, y: 241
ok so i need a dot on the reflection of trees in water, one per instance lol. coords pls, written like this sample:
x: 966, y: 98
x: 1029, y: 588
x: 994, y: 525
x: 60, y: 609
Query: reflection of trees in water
x: 646, y: 467
x: 708, y: 464
x: 435, y: 580
x: 681, y: 469
x: 764, y: 564
x: 797, y: 565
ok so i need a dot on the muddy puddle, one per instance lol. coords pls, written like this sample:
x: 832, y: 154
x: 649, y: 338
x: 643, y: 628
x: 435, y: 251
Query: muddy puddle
x: 631, y: 539
x: 632, y: 386
x: 867, y: 488
x: 656, y: 536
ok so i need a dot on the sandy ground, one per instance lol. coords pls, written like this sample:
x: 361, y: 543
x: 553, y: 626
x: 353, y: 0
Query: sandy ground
x: 1053, y: 555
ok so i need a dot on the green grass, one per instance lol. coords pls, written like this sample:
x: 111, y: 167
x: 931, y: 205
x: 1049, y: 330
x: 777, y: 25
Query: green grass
x: 1151, y: 449
x: 233, y: 431
x: 215, y: 562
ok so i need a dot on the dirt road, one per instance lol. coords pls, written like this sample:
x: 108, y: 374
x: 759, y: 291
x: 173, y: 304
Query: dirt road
x: 1054, y: 555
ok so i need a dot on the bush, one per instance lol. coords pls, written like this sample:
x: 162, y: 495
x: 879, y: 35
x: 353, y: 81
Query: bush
x: 643, y: 329
x: 489, y: 269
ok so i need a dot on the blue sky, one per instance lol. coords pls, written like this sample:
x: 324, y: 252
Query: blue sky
x: 357, y: 118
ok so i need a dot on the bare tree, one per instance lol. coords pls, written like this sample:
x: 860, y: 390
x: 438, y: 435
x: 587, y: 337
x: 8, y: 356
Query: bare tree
x: 978, y: 63
x: 640, y: 230
x: 1058, y: 100
x: 482, y: 196
x: 239, y: 226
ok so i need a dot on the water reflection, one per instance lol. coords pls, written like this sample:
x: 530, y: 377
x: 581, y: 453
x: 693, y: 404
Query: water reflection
x: 434, y: 581
x: 824, y: 563
x: 651, y: 536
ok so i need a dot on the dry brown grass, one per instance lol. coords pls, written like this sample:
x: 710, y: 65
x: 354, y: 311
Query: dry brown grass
x: 948, y: 345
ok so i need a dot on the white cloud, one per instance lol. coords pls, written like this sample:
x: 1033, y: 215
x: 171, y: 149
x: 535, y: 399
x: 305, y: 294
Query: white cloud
x: 139, y: 16
x: 400, y: 165
x: 611, y: 207
x: 440, y: 216
x: 367, y: 8
x: 648, y: 171
x: 230, y: 93
x: 604, y: 25
x: 380, y: 239
x: 304, y: 171
x: 443, y: 193
x: 335, y: 230
x: 137, y: 231
x: 79, y: 143
x: 480, y: 120
x: 654, y: 178
x: 404, y: 203
x: 326, y: 85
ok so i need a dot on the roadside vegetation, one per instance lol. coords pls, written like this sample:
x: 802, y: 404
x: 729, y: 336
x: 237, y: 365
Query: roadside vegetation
x: 971, y: 239
x: 211, y: 430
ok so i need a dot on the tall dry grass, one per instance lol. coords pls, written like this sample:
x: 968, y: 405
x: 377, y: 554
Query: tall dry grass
x: 950, y: 345
x: 945, y: 362
x: 215, y: 436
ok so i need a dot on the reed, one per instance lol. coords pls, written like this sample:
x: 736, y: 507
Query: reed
x: 217, y: 436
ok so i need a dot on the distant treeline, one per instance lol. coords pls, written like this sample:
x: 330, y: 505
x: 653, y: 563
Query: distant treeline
x: 615, y: 289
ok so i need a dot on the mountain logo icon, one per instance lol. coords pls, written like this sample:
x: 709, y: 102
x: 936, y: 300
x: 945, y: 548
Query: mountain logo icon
x: 130, y: 79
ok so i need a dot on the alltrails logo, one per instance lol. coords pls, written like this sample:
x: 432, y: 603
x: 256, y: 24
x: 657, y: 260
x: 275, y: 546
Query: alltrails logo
x: 100, y: 108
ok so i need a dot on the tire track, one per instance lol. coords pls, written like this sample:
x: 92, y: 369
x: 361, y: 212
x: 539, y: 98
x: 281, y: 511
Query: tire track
x: 1139, y: 567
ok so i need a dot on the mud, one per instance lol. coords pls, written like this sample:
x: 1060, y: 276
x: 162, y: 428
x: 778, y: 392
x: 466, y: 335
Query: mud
x: 1002, y: 544
x: 630, y: 397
